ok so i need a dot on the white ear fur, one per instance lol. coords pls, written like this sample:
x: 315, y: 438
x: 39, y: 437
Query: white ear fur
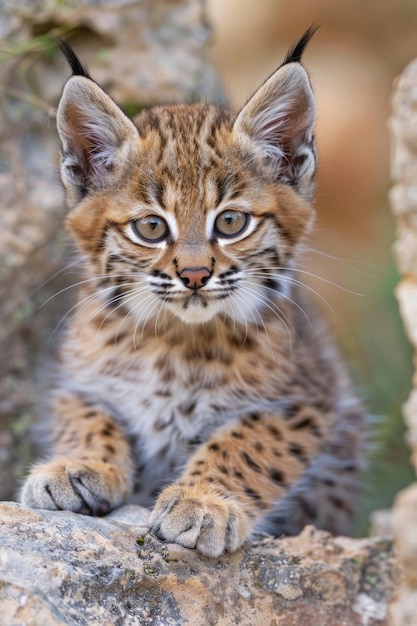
x: 280, y: 119
x: 94, y: 132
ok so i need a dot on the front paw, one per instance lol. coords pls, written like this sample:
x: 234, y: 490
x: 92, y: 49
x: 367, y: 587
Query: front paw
x: 197, y: 518
x: 87, y: 487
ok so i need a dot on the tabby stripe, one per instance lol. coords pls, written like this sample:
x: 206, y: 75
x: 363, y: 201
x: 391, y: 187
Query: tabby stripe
x: 282, y: 230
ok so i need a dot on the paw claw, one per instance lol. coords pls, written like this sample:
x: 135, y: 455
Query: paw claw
x: 203, y: 520
x: 88, y: 488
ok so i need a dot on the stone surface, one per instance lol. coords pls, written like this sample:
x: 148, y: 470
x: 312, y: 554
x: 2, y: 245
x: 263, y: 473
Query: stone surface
x: 142, y: 52
x: 404, y: 610
x: 61, y: 568
x: 404, y: 525
x: 381, y: 523
x: 404, y: 205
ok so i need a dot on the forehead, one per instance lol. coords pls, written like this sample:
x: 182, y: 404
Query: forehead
x: 191, y: 156
x: 184, y: 123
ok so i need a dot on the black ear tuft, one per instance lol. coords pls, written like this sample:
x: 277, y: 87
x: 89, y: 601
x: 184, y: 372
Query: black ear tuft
x: 78, y: 69
x: 295, y: 53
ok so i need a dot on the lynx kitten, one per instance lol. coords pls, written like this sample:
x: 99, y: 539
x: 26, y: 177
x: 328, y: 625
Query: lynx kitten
x: 195, y: 375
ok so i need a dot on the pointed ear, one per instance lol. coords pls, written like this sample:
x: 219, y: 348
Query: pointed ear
x: 280, y: 119
x: 95, y: 135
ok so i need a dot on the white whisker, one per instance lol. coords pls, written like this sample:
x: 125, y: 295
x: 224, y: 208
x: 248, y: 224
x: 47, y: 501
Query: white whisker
x: 255, y: 311
x: 103, y: 306
x: 301, y: 271
x: 57, y: 273
x: 124, y: 299
x: 157, y: 317
x: 85, y: 281
x: 348, y: 263
x: 294, y: 281
x: 80, y: 303
x: 272, y: 307
x: 282, y: 295
x: 152, y: 305
x: 234, y: 296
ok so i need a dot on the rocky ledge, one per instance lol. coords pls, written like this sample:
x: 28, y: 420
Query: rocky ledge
x: 59, y: 568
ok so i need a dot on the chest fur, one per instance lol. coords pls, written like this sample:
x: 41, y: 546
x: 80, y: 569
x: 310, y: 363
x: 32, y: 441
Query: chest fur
x: 162, y: 383
x: 171, y: 391
x: 165, y: 395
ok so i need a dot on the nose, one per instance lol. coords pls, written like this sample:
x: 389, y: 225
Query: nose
x: 195, y: 277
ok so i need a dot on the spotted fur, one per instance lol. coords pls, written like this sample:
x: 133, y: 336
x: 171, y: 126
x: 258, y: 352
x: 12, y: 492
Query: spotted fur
x: 196, y: 376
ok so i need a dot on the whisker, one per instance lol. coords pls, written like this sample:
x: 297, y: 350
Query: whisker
x: 60, y: 271
x: 255, y: 311
x: 265, y: 302
x: 294, y: 281
x: 124, y: 299
x: 283, y: 295
x: 82, y: 302
x: 157, y: 317
x: 301, y: 271
x: 153, y: 305
x: 77, y: 284
x: 104, y: 305
x: 349, y: 263
x: 132, y: 312
x: 133, y: 293
x: 244, y: 318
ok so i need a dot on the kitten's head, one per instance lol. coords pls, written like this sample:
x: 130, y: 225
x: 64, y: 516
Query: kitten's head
x: 189, y: 208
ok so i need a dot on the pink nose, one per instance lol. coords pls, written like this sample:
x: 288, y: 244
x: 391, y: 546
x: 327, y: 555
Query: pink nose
x: 195, y: 277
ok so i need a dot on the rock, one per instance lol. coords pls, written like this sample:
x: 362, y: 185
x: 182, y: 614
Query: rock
x: 381, y: 523
x: 404, y: 206
x: 403, y: 199
x: 144, y: 51
x: 60, y: 568
x: 404, y: 519
x: 405, y: 524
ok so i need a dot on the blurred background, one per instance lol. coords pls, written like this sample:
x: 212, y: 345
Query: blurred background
x: 353, y: 60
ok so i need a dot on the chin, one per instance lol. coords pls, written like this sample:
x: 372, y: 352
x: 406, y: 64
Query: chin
x: 194, y: 312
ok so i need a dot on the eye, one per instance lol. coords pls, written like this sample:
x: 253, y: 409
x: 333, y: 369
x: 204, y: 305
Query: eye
x: 151, y: 228
x: 231, y: 223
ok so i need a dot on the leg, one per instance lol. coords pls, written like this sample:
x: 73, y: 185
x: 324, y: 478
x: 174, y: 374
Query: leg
x: 234, y: 480
x: 92, y: 469
x: 327, y: 494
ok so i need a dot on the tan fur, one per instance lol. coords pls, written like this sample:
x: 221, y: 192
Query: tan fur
x: 232, y: 391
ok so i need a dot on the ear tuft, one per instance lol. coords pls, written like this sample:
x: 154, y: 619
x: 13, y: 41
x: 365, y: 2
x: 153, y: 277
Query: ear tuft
x: 95, y: 136
x: 78, y: 69
x: 295, y: 53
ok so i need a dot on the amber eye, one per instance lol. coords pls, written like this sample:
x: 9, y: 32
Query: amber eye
x: 151, y: 228
x: 230, y: 223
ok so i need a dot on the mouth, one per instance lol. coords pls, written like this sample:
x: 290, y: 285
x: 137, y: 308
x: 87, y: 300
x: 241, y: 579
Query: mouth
x: 195, y: 300
x: 194, y: 308
x: 197, y: 306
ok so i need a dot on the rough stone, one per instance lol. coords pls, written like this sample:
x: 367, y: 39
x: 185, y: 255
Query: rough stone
x: 61, y: 568
x: 405, y: 524
x: 404, y: 609
x: 381, y: 523
x: 406, y: 293
x: 143, y: 51
x: 404, y: 206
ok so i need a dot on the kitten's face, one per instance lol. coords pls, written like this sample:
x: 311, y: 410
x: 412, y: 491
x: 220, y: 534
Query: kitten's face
x: 189, y: 211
